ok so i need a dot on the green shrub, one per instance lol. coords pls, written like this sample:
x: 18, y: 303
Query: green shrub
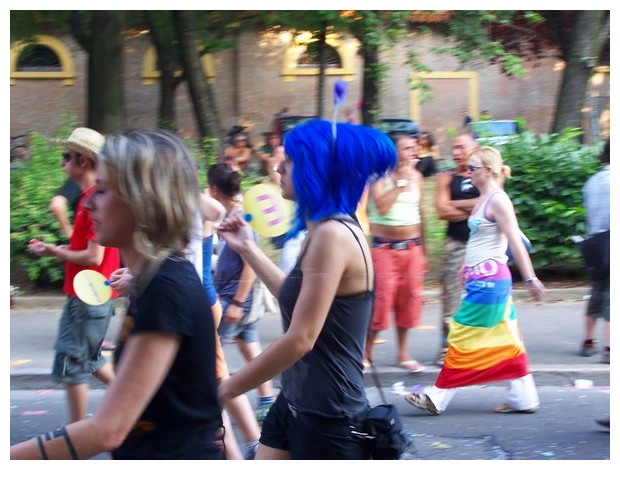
x: 548, y: 174
x: 33, y: 183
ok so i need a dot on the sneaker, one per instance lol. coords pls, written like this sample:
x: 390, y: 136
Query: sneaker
x: 588, y: 348
x: 603, y: 422
x: 605, y: 356
x: 249, y: 450
x: 262, y: 411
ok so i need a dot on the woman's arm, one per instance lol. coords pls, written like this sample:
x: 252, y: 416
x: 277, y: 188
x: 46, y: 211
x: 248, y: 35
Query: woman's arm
x: 384, y: 199
x: 323, y: 267
x: 145, y: 363
x: 501, y: 208
x: 239, y: 236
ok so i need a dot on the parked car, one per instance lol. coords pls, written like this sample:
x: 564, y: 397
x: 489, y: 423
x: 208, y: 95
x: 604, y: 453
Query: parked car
x: 394, y: 125
x: 494, y: 132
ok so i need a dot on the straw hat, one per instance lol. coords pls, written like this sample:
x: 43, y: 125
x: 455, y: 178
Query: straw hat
x: 84, y: 141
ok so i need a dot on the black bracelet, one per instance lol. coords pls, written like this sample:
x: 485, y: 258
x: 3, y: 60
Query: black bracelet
x: 62, y: 432
x: 237, y: 303
x: 42, y: 451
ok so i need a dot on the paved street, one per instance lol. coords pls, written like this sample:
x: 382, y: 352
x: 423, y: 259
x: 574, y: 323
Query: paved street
x: 563, y: 429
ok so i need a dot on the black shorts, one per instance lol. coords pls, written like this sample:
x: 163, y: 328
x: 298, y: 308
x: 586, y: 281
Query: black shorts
x: 310, y: 437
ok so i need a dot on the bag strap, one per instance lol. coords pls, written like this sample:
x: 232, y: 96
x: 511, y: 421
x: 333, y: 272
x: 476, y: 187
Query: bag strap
x: 375, y: 376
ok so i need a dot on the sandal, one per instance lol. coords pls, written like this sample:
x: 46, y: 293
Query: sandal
x: 422, y: 401
x: 412, y: 365
x: 503, y: 408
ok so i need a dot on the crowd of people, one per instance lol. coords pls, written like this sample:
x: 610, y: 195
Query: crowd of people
x: 141, y: 220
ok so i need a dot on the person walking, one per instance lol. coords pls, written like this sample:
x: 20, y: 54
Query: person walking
x: 163, y: 402
x: 484, y: 343
x: 82, y: 327
x: 240, y: 408
x: 397, y: 228
x: 326, y: 299
x: 234, y: 279
x: 596, y: 204
x: 455, y: 196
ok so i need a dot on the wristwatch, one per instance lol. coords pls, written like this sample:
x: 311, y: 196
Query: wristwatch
x: 402, y: 182
x: 236, y: 303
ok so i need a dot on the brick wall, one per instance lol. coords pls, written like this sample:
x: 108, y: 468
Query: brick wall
x: 39, y: 104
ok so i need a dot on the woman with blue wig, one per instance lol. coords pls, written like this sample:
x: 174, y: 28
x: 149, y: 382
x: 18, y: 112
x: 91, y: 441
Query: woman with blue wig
x: 326, y: 299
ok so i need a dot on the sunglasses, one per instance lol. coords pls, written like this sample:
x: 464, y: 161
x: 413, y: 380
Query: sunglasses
x: 473, y: 168
x: 67, y: 157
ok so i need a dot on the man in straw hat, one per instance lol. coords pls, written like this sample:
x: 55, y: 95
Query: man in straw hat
x: 82, y: 326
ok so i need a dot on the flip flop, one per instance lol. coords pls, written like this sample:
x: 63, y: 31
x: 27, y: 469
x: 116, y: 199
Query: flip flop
x: 503, y: 408
x: 422, y: 401
x: 412, y: 365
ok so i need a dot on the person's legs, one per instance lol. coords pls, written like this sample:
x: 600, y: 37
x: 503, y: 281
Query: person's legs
x: 433, y: 399
x: 77, y: 399
x: 251, y: 350
x: 385, y: 291
x: 521, y: 396
x: 598, y: 307
x: 105, y: 373
x: 233, y: 452
x: 409, y: 300
x: 451, y: 290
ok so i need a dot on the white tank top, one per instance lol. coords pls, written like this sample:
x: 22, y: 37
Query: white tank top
x: 486, y: 241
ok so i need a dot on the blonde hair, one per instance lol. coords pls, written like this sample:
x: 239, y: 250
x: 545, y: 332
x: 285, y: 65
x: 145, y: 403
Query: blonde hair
x: 490, y: 158
x: 156, y: 174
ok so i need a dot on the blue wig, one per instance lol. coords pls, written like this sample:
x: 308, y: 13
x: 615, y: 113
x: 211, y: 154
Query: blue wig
x: 329, y: 175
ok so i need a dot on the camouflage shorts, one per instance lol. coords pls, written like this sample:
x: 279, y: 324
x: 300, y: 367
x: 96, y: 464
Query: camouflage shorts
x: 451, y: 286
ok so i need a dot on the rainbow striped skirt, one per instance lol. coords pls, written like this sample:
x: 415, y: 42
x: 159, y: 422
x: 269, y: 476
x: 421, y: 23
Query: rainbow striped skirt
x: 484, y: 343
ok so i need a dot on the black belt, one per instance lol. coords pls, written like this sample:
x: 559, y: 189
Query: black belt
x: 380, y: 242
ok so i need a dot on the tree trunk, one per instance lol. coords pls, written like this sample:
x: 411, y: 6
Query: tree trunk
x: 205, y: 121
x: 370, y: 85
x: 161, y: 29
x: 581, y: 59
x: 321, y: 79
x: 106, y: 102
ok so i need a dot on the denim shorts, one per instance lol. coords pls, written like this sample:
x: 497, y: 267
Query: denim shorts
x: 81, y: 332
x: 309, y: 437
x: 233, y: 331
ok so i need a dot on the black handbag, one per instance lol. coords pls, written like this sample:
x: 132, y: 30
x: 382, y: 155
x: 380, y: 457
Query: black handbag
x: 384, y: 428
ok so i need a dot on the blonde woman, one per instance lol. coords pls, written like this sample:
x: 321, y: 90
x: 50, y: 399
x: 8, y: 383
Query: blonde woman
x: 484, y: 343
x: 163, y: 403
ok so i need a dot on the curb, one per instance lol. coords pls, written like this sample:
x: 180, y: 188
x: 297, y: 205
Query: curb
x: 572, y: 294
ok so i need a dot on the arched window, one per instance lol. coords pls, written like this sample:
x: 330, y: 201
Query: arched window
x: 151, y: 72
x: 310, y: 58
x: 302, y: 57
x: 44, y: 59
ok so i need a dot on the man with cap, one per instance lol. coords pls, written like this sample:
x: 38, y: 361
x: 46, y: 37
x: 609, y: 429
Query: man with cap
x: 82, y: 326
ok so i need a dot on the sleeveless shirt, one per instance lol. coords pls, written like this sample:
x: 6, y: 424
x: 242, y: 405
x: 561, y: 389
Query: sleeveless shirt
x: 486, y: 241
x: 461, y: 188
x: 405, y: 210
x: 328, y: 381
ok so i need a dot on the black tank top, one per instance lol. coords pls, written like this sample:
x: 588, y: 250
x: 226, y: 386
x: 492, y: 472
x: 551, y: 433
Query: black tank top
x: 461, y: 188
x: 328, y: 381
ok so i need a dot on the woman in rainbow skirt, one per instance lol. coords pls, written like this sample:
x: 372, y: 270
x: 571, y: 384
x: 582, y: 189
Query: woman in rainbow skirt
x: 484, y: 343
